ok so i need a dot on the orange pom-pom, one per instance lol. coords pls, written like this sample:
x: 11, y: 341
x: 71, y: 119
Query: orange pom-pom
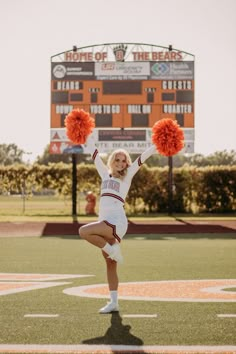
x: 168, y: 137
x: 79, y: 125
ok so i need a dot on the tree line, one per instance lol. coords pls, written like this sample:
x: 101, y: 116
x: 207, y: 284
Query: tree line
x: 11, y: 154
x: 200, y: 183
x: 195, y: 189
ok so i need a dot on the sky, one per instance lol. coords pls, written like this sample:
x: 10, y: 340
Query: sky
x: 31, y: 31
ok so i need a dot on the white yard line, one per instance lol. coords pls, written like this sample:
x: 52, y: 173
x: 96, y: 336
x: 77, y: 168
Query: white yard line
x: 39, y: 276
x: 140, y: 315
x: 41, y: 315
x: 110, y: 349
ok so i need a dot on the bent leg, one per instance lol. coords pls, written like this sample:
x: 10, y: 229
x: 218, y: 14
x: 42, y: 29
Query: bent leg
x: 97, y: 233
x: 101, y: 235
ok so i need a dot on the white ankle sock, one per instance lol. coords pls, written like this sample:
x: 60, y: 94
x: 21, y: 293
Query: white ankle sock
x: 114, y: 296
x: 108, y: 249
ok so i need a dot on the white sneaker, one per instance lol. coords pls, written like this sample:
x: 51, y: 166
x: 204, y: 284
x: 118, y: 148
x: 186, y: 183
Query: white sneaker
x: 116, y: 254
x: 110, y: 307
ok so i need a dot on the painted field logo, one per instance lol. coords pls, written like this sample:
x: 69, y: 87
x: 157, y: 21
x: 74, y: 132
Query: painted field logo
x: 176, y: 290
x: 206, y: 290
x: 12, y: 283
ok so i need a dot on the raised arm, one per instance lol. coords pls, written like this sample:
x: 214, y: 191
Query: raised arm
x: 101, y: 167
x: 140, y: 160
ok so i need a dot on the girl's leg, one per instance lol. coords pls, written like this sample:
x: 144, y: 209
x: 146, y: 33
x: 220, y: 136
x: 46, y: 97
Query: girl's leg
x: 97, y: 233
x: 112, y: 278
x: 101, y: 235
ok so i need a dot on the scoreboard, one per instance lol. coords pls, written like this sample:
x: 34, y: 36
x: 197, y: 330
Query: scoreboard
x: 126, y: 88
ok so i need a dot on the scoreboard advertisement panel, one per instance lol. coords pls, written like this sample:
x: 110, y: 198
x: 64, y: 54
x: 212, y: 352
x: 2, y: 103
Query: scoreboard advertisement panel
x: 126, y: 88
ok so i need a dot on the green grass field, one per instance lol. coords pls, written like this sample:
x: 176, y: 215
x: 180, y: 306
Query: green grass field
x: 147, y: 258
x: 15, y: 208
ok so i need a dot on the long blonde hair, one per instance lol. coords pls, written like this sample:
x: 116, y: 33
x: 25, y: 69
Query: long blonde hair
x: 112, y: 158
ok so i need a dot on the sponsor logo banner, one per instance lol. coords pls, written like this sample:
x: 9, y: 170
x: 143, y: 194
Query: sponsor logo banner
x: 72, y: 71
x: 58, y: 134
x: 107, y: 140
x: 65, y: 148
x: 172, y: 71
x: 116, y: 70
x: 121, y: 135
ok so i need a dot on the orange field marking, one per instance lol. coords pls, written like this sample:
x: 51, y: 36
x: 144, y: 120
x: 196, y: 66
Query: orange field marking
x: 177, y: 290
x: 204, y: 290
x: 11, y: 283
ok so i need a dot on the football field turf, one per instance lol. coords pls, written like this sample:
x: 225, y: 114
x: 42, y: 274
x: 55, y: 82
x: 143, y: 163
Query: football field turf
x: 177, y: 291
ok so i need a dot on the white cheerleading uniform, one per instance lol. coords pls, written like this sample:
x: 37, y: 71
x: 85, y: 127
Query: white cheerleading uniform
x: 114, y: 190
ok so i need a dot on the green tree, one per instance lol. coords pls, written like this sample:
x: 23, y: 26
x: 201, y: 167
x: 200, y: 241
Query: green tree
x: 219, y: 158
x: 223, y: 158
x: 10, y: 154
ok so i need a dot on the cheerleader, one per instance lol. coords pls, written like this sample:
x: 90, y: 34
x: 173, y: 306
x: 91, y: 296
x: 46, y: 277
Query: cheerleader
x: 112, y: 224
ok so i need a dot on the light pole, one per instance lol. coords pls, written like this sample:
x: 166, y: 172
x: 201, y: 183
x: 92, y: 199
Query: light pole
x: 170, y: 185
x: 23, y: 184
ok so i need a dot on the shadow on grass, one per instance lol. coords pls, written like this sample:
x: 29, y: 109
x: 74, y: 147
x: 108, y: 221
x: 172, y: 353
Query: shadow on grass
x: 116, y: 334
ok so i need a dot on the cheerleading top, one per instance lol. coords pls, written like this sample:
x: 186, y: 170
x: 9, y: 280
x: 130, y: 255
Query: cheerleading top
x: 114, y: 190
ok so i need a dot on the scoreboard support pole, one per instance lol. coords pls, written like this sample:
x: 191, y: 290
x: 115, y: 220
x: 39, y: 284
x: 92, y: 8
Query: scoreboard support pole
x: 170, y: 185
x: 74, y: 187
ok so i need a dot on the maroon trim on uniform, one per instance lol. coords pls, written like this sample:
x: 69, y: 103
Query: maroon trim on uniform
x: 139, y: 161
x: 95, y: 154
x: 113, y: 196
x: 113, y: 230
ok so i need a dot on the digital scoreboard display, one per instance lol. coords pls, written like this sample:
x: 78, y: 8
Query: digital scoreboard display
x: 121, y: 94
